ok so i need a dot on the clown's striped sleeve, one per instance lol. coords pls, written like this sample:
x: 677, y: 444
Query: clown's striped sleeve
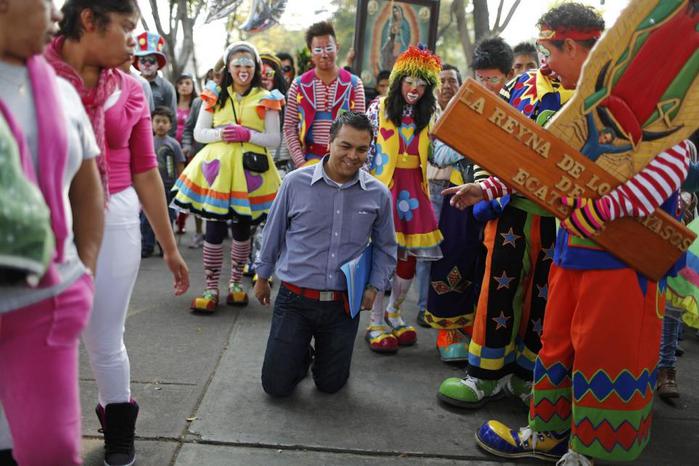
x: 493, y: 188
x: 291, y: 126
x: 640, y: 195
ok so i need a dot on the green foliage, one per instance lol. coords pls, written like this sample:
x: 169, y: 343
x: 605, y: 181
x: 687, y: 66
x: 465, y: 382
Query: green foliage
x: 303, y: 60
x: 448, y: 42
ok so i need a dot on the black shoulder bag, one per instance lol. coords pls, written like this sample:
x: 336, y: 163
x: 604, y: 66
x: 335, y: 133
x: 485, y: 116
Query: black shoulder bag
x: 252, y: 161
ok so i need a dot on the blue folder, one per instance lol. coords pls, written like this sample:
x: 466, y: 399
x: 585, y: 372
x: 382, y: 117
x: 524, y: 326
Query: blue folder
x: 357, y: 272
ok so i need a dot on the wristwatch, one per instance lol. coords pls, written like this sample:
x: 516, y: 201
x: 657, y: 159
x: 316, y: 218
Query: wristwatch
x: 369, y: 286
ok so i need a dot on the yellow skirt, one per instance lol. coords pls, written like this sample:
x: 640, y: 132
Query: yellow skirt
x: 215, y: 186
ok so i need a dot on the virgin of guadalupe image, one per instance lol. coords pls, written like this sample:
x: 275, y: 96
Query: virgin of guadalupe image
x: 395, y: 37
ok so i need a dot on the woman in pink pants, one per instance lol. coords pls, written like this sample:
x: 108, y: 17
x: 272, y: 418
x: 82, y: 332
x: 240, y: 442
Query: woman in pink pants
x: 96, y: 37
x: 48, y: 130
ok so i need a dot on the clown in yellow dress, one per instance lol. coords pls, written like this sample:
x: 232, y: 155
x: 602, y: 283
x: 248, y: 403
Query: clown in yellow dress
x: 239, y: 124
x: 402, y: 123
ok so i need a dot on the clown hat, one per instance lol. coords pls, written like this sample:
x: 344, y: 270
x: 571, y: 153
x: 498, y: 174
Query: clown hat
x: 149, y: 43
x: 270, y: 57
x: 418, y: 62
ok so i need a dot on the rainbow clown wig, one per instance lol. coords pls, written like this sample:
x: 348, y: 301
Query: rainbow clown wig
x: 418, y: 62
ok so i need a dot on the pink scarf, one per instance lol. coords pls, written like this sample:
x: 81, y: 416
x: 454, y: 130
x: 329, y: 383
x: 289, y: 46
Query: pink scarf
x: 52, y: 151
x: 93, y: 99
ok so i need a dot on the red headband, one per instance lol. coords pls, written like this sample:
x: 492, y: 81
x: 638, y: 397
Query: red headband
x: 563, y: 34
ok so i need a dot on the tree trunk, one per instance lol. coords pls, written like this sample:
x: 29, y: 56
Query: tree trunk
x: 481, y: 19
x: 181, y: 22
x: 459, y: 11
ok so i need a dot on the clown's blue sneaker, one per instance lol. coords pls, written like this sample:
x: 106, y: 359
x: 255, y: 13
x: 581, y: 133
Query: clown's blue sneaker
x: 498, y: 439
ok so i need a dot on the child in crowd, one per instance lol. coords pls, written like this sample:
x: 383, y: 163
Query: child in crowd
x: 170, y: 165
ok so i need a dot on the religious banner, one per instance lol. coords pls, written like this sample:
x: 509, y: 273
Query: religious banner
x: 386, y: 28
x: 637, y: 94
x: 621, y: 116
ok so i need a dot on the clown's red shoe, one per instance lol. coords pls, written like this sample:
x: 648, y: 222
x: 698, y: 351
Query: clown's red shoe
x: 237, y: 296
x: 381, y: 339
x: 207, y: 302
x: 406, y: 334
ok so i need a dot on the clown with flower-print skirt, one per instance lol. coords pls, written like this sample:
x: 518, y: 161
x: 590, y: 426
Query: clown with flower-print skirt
x: 402, y: 122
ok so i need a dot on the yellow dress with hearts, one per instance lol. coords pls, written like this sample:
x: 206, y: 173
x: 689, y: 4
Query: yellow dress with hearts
x: 400, y: 162
x: 214, y: 185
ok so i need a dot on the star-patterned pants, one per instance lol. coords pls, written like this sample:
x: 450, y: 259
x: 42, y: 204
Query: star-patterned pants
x: 455, y: 279
x: 596, y: 371
x: 510, y: 311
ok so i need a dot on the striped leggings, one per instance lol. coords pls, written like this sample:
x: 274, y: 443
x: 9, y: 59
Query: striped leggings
x: 213, y: 250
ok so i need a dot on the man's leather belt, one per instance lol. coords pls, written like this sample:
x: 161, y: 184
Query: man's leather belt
x: 317, y: 295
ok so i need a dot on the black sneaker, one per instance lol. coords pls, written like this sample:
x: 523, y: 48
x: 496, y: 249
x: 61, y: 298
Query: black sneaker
x: 6, y: 458
x: 119, y: 432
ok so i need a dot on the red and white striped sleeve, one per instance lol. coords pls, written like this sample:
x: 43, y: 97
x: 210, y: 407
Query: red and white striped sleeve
x: 640, y: 195
x: 359, y: 98
x: 493, y: 188
x: 291, y: 126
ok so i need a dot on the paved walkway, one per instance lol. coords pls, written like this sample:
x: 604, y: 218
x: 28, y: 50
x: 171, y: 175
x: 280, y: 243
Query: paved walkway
x: 197, y: 379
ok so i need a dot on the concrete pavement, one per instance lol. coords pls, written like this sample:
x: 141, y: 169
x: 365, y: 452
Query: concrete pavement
x: 197, y: 380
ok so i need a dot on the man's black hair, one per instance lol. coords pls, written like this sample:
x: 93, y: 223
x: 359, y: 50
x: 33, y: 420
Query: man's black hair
x: 383, y: 74
x: 323, y: 28
x: 448, y: 67
x: 356, y: 120
x: 164, y: 112
x: 525, y: 48
x: 572, y: 16
x: 492, y: 53
x: 285, y: 56
x: 71, y: 27
x: 606, y: 130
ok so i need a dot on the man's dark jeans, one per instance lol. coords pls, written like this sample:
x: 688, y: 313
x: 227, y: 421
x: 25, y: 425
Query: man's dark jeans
x: 295, y: 321
x: 147, y: 234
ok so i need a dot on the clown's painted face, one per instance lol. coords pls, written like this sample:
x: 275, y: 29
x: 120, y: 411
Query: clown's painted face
x: 324, y: 52
x: 564, y: 61
x: 148, y: 65
x: 267, y: 76
x: 241, y: 65
x: 492, y: 78
x: 412, y: 89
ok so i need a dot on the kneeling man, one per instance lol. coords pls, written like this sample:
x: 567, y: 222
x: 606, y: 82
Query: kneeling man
x: 323, y: 216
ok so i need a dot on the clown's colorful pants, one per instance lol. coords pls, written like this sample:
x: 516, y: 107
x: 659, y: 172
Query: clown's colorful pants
x: 595, y: 373
x: 510, y: 312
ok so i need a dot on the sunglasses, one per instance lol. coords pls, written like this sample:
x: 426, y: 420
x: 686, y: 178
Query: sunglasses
x: 543, y: 51
x: 268, y: 74
x: 489, y: 79
x: 147, y: 60
x: 330, y: 48
x: 287, y: 68
x: 414, y: 82
x: 243, y: 61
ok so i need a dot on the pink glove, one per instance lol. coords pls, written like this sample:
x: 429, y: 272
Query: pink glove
x: 235, y: 133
